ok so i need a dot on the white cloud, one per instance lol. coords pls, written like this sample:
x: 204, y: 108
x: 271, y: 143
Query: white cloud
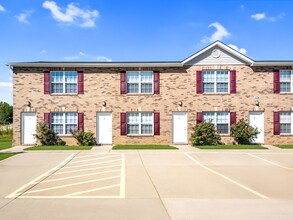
x: 220, y: 33
x: 5, y: 84
x: 263, y: 16
x: 241, y: 50
x: 258, y: 16
x: 82, y: 55
x: 2, y: 9
x: 72, y: 15
x: 22, y: 17
x: 242, y: 6
x: 103, y: 59
x: 43, y: 52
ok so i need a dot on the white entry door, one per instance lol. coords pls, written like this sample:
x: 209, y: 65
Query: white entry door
x: 104, y: 128
x: 29, y: 123
x: 179, y: 127
x: 256, y: 119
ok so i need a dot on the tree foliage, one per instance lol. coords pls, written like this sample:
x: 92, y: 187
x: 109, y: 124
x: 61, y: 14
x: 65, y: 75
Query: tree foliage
x: 47, y: 136
x: 6, y: 113
x: 243, y: 133
x: 204, y: 134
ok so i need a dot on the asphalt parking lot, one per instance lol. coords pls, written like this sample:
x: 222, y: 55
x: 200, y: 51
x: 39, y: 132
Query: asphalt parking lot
x: 185, y: 184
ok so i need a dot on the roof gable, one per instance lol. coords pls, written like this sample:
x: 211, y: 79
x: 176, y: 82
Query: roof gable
x: 217, y: 53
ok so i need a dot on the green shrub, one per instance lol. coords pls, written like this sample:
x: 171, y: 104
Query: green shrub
x: 84, y: 138
x: 204, y: 134
x: 243, y: 133
x: 47, y: 136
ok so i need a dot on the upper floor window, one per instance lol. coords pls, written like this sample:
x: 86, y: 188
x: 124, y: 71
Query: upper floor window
x: 62, y: 123
x: 219, y: 119
x: 140, y: 123
x: 140, y: 82
x: 215, y: 81
x: 286, y: 81
x: 64, y: 82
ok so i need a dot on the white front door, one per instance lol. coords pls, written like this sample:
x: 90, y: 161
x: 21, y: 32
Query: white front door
x: 104, y: 128
x: 29, y: 123
x: 256, y: 119
x: 179, y: 127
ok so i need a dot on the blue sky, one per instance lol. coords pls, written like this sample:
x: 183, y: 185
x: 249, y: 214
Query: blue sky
x: 139, y: 30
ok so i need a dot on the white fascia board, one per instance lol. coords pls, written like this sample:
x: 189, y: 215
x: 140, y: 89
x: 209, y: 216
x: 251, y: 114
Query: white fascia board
x: 95, y: 64
x: 273, y: 63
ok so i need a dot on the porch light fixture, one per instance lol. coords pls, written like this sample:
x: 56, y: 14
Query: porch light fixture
x: 104, y: 103
x: 257, y: 103
x: 28, y: 104
x: 180, y: 103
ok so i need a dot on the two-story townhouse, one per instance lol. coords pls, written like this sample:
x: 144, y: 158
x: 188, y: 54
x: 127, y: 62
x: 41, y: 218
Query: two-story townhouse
x: 154, y: 102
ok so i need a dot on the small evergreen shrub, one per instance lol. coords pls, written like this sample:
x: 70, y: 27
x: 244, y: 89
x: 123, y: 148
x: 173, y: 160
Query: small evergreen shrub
x: 47, y: 136
x: 204, y: 134
x: 84, y: 138
x: 243, y: 133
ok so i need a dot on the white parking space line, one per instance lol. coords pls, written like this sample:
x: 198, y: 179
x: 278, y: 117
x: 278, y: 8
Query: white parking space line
x: 72, y: 177
x: 93, y: 190
x: 91, y: 155
x: 270, y: 162
x: 80, y: 161
x: 95, y: 168
x: 73, y: 184
x: 91, y: 164
x: 122, y: 179
x: 19, y: 191
x: 227, y: 178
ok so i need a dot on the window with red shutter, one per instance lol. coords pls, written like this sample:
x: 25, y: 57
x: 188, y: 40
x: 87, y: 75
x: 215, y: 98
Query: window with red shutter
x: 198, y: 82
x: 123, y: 123
x: 232, y: 118
x: 276, y: 123
x: 47, y: 119
x: 156, y: 82
x: 233, y: 81
x: 80, y: 125
x: 199, y: 117
x: 156, y: 123
x: 276, y: 81
x: 123, y: 82
x: 80, y: 77
x: 47, y: 82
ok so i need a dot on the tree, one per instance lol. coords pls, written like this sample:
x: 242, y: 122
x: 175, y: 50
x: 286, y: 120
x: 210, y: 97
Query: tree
x: 6, y: 113
x: 243, y: 133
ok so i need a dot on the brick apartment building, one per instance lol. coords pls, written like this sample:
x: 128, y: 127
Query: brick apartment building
x: 154, y: 102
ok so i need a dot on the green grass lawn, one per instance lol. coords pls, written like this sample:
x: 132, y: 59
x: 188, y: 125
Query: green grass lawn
x: 144, y: 147
x: 6, y: 155
x: 59, y: 148
x: 284, y: 146
x: 232, y: 146
x: 5, y: 143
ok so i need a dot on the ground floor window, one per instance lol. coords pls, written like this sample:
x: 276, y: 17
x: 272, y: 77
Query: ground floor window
x: 62, y: 123
x: 140, y: 123
x: 285, y: 122
x: 219, y: 119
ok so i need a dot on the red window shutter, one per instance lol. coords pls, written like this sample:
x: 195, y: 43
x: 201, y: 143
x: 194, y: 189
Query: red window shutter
x: 123, y: 123
x: 232, y: 118
x: 276, y: 123
x: 199, y: 117
x: 156, y: 123
x: 47, y: 119
x: 80, y: 77
x: 123, y: 82
x: 198, y: 82
x: 47, y: 82
x: 233, y: 81
x: 276, y: 81
x: 156, y: 82
x: 80, y: 125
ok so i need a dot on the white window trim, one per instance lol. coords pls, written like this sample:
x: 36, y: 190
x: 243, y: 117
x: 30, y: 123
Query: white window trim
x: 139, y: 124
x: 139, y: 82
x: 290, y: 122
x: 215, y: 82
x: 215, y: 121
x: 64, y: 83
x: 64, y: 122
x: 291, y: 81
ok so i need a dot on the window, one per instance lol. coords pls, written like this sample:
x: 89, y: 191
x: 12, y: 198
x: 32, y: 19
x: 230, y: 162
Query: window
x: 140, y: 123
x: 215, y: 81
x: 62, y: 123
x: 285, y: 122
x: 139, y: 82
x: 219, y: 119
x: 64, y: 82
x: 286, y: 80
